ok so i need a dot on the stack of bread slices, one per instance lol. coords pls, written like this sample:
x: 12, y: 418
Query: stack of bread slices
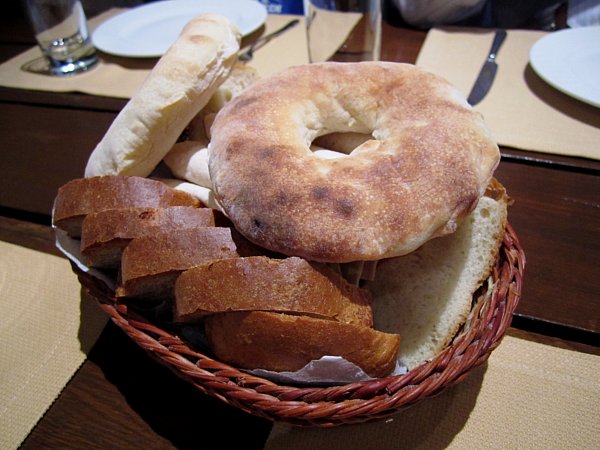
x: 259, y: 310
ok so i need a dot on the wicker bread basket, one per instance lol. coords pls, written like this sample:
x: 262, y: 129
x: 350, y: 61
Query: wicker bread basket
x: 351, y: 403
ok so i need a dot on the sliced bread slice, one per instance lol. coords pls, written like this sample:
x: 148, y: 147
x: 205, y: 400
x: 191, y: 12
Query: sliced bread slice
x: 258, y: 283
x: 82, y: 196
x: 151, y: 264
x: 426, y: 296
x: 105, y: 234
x: 283, y: 342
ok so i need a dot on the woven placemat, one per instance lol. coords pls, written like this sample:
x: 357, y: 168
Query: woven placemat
x: 528, y: 395
x: 521, y: 109
x: 46, y: 330
x: 120, y: 77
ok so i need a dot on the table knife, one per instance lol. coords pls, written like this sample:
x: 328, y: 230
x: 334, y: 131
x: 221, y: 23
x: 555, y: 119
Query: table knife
x: 246, y: 55
x: 488, y: 71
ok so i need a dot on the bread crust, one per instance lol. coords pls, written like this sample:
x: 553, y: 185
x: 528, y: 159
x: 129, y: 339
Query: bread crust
x: 282, y: 342
x: 82, y: 196
x: 259, y: 283
x: 105, y: 234
x: 151, y: 264
x: 177, y: 88
x: 430, y: 159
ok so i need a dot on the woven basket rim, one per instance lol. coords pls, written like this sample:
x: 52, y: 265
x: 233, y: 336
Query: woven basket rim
x: 333, y: 405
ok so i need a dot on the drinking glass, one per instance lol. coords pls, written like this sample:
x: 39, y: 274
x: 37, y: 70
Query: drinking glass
x: 343, y: 30
x: 61, y: 32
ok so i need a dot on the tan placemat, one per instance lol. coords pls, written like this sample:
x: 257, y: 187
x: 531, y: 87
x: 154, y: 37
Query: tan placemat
x: 121, y: 77
x: 529, y: 395
x: 291, y: 48
x: 522, y: 110
x: 288, y: 49
x: 112, y: 77
x: 46, y: 330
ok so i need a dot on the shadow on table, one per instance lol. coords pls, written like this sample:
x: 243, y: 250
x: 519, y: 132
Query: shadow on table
x: 432, y: 424
x: 151, y: 396
x: 569, y: 106
x: 145, y: 405
x: 92, y: 322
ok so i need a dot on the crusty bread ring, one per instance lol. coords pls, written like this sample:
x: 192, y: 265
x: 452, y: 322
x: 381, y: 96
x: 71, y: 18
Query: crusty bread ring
x: 177, y: 88
x: 429, y: 161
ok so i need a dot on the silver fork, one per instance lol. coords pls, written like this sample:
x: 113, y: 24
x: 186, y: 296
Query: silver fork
x: 248, y: 54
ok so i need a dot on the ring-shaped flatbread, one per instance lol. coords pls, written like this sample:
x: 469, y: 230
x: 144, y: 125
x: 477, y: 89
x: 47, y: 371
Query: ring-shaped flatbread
x: 428, y: 162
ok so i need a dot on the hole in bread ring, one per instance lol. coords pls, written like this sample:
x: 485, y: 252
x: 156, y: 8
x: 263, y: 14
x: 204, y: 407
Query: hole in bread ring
x: 337, y: 145
x: 426, y: 160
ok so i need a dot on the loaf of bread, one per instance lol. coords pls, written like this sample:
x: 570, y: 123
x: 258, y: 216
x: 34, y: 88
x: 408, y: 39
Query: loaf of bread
x: 291, y: 285
x: 80, y: 197
x: 283, y: 342
x: 151, y: 264
x: 242, y: 76
x: 177, y: 88
x: 426, y: 296
x: 105, y: 234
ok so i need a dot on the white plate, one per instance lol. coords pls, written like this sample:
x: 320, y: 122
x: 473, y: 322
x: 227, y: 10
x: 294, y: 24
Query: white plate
x: 149, y: 30
x: 569, y: 60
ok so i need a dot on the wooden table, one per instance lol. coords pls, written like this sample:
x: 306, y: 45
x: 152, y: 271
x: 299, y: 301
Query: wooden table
x: 121, y: 398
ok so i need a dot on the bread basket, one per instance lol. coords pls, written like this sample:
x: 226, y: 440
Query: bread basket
x: 491, y: 315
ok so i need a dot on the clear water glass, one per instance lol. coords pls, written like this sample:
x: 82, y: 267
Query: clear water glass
x: 343, y: 30
x: 61, y: 31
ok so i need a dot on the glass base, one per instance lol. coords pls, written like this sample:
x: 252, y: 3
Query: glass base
x: 45, y: 66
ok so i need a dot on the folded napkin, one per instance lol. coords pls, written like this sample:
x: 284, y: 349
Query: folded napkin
x: 528, y: 395
x: 46, y: 330
x: 521, y: 109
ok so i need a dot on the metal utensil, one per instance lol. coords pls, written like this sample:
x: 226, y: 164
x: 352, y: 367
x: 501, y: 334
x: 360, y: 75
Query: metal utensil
x: 248, y: 54
x: 488, y: 71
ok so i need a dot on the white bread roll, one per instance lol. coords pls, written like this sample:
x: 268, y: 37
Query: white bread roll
x: 179, y: 86
x: 241, y: 77
x: 188, y: 160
